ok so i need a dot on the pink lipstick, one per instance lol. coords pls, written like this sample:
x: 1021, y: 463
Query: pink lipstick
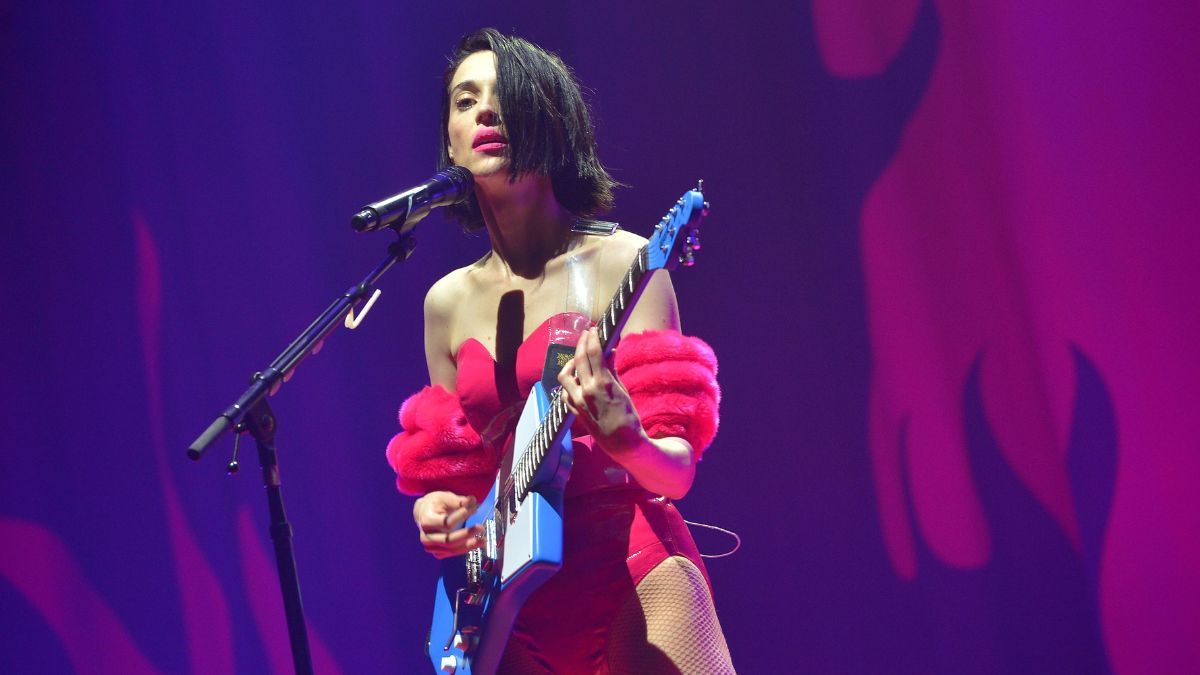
x: 489, y: 140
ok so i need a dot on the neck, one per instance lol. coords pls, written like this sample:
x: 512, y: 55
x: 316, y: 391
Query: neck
x: 525, y: 223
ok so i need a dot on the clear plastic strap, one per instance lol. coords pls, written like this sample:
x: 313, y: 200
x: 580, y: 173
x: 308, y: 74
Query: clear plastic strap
x: 578, y: 304
x: 581, y: 282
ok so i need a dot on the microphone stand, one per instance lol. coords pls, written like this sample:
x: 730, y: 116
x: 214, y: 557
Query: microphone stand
x: 251, y: 413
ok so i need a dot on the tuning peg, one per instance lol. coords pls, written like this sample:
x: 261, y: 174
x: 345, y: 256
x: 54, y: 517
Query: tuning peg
x: 700, y: 186
x: 688, y: 258
x: 693, y: 240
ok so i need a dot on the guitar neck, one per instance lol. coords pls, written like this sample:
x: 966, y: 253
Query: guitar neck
x: 559, y: 419
x: 613, y: 320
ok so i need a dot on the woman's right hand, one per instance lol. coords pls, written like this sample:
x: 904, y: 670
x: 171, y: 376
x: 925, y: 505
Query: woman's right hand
x: 440, y: 516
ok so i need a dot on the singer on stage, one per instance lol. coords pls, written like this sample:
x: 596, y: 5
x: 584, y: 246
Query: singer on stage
x: 633, y: 595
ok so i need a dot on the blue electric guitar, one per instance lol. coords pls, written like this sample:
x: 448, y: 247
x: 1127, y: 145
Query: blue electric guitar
x: 479, y: 594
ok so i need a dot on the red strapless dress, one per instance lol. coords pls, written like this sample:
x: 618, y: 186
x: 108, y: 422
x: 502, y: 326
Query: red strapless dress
x: 614, y: 531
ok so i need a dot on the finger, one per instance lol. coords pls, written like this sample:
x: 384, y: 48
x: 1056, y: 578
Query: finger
x: 592, y: 367
x: 458, y: 542
x: 433, y: 503
x: 583, y: 366
x: 567, y: 373
x: 573, y: 395
x: 571, y: 407
x: 434, y: 517
x: 468, y: 504
x: 441, y: 520
x: 456, y: 518
x: 442, y: 554
x: 568, y: 378
x: 595, y: 351
x: 610, y: 364
x: 445, y: 540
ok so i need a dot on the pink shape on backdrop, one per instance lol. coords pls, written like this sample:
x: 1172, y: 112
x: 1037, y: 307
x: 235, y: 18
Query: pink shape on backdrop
x: 1044, y: 194
x: 207, y: 626
x: 859, y: 38
x: 206, y: 617
x: 53, y: 582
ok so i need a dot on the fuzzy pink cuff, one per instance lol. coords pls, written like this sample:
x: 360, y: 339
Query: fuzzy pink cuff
x: 438, y: 449
x: 672, y: 380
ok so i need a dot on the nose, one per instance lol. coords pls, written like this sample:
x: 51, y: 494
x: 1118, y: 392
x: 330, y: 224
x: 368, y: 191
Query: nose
x: 486, y: 112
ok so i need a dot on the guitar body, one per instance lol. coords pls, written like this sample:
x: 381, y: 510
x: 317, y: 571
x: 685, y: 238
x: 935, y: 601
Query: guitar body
x: 479, y: 594
x: 511, y: 567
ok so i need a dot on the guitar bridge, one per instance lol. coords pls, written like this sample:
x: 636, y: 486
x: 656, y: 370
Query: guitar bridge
x: 474, y: 568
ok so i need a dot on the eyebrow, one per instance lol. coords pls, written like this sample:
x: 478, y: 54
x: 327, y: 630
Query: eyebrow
x: 468, y: 85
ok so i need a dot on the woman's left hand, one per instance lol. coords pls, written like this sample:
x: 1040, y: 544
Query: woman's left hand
x: 599, y: 400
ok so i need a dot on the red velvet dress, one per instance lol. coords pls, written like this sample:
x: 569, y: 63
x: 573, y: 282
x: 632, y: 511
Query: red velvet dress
x: 615, y: 532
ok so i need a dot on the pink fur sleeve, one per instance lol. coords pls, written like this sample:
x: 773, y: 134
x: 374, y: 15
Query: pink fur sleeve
x: 672, y: 380
x: 438, y: 449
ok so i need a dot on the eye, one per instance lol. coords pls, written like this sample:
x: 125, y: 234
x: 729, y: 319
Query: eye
x: 464, y: 102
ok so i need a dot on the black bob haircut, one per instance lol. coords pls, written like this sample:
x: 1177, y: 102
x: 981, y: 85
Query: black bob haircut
x: 546, y: 121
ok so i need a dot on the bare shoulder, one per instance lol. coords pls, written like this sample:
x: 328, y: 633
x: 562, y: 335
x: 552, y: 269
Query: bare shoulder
x: 657, y: 309
x: 442, y: 303
x: 625, y: 242
x: 445, y: 293
x: 616, y: 252
x: 628, y: 239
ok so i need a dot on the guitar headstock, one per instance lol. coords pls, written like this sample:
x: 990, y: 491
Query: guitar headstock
x: 676, y: 238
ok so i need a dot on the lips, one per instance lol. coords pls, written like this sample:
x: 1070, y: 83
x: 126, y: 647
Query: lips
x: 489, y: 140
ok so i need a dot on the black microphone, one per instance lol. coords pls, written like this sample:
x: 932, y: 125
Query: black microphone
x: 401, y: 212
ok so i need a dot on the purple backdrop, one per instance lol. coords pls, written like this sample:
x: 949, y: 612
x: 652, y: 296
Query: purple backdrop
x: 948, y: 272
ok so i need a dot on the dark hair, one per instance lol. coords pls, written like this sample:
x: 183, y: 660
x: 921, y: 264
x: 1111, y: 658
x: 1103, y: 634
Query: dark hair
x: 546, y: 121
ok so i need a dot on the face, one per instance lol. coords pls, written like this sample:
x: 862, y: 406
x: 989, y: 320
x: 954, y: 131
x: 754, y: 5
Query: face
x: 477, y: 141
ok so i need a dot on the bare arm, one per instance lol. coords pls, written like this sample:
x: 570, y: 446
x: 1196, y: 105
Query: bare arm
x: 440, y: 515
x: 439, y: 323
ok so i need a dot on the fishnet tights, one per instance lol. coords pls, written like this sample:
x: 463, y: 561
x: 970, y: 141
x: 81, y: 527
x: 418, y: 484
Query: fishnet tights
x: 668, y: 626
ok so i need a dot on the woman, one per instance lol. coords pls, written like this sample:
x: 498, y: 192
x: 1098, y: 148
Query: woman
x: 633, y: 595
